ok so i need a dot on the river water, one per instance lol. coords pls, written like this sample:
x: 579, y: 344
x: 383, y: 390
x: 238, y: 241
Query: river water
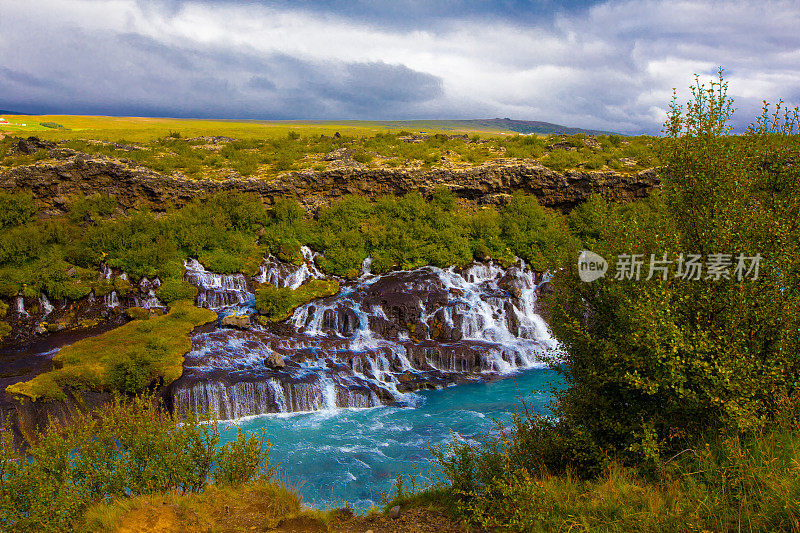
x: 351, y: 456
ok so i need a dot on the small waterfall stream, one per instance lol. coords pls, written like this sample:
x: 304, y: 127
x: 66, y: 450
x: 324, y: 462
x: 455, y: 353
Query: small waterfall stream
x: 217, y: 291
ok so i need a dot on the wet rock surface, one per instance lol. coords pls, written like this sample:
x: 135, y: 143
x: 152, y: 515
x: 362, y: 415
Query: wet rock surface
x: 33, y: 318
x: 376, y: 341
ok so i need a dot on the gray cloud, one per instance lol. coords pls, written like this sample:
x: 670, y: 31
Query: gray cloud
x: 138, y: 75
x: 606, y: 65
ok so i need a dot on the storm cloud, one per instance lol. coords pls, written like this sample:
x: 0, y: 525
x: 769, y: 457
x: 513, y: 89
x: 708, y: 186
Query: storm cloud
x: 605, y: 65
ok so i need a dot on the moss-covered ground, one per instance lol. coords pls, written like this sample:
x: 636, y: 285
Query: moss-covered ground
x: 278, y: 303
x: 125, y: 359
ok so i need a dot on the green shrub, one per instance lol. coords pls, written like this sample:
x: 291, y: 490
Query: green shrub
x: 595, y: 162
x: 363, y: 157
x: 5, y: 329
x: 91, y: 208
x: 540, y: 237
x: 128, y: 449
x: 655, y: 365
x: 16, y: 208
x: 172, y: 290
x: 137, y: 313
x: 561, y: 159
x: 278, y: 303
x: 242, y: 459
x: 132, y: 374
x: 728, y: 482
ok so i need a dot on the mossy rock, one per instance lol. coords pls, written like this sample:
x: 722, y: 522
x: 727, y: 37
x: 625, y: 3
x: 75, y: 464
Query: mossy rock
x: 122, y: 286
x: 138, y: 313
x: 277, y: 304
x: 53, y: 327
x: 124, y: 359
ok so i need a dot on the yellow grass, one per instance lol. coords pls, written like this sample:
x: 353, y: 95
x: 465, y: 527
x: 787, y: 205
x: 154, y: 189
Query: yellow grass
x: 142, y: 129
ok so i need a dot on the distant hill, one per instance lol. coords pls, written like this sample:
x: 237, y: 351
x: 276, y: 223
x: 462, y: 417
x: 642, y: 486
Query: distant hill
x: 528, y: 126
x: 4, y: 112
x: 488, y: 125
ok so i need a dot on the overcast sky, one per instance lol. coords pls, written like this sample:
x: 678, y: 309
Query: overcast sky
x: 604, y: 65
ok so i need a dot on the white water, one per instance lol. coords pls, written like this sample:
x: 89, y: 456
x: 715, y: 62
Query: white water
x: 19, y: 306
x: 351, y: 354
x: 217, y: 291
x: 44, y: 305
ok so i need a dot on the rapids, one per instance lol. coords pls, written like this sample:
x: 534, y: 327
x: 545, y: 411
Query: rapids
x: 351, y: 456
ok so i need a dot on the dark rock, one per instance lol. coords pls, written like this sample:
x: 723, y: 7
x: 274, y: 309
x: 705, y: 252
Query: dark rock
x: 489, y: 183
x: 394, y: 512
x: 32, y: 144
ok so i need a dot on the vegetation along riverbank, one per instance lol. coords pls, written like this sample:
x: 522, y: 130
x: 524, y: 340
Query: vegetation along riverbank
x: 681, y: 407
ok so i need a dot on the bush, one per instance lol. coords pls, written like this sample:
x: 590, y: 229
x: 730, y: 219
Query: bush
x: 278, y: 303
x: 129, y: 448
x: 133, y: 374
x: 561, y: 159
x: 172, y: 290
x: 540, y: 237
x: 363, y: 157
x: 242, y: 459
x: 655, y: 365
x: 726, y: 483
x: 91, y: 208
x: 16, y: 208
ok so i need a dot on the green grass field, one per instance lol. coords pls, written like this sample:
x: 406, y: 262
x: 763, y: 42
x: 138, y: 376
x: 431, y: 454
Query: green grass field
x: 264, y: 150
x: 142, y: 129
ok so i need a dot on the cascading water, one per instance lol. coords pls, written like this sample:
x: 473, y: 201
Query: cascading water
x: 147, y: 294
x: 217, y: 291
x: 378, y: 340
x: 19, y: 306
x: 111, y: 300
x: 44, y: 305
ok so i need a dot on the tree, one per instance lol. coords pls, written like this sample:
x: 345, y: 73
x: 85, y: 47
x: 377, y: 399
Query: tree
x: 654, y: 364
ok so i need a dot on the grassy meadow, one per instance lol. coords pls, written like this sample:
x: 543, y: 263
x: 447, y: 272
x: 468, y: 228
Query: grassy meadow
x: 225, y: 149
x: 144, y: 129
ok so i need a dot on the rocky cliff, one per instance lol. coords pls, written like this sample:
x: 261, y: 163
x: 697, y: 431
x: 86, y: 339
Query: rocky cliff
x: 69, y: 173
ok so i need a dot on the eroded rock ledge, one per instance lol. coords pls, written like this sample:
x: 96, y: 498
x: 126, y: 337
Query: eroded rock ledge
x: 73, y: 173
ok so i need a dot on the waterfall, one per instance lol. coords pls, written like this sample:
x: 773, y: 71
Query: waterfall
x: 282, y: 274
x: 44, y: 305
x: 19, y: 306
x: 106, y: 272
x: 111, y: 300
x: 217, y: 291
x: 277, y: 394
x: 328, y: 389
x: 375, y: 342
x: 366, y: 266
